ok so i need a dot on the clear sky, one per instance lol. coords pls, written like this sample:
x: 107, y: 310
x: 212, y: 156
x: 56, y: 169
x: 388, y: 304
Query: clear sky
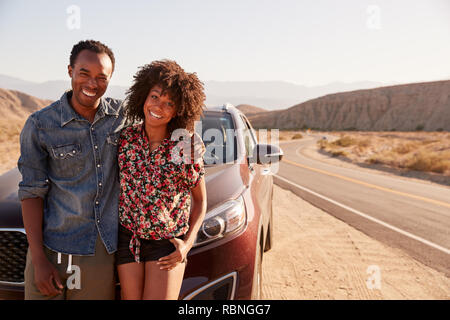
x: 304, y: 42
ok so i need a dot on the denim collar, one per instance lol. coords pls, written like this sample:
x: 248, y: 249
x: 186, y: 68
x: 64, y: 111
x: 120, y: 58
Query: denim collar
x: 68, y: 113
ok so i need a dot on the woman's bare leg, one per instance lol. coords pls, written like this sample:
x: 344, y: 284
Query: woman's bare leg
x: 162, y: 284
x: 131, y: 277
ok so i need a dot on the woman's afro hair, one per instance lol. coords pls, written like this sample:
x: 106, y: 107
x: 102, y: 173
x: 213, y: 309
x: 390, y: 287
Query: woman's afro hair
x: 184, y: 89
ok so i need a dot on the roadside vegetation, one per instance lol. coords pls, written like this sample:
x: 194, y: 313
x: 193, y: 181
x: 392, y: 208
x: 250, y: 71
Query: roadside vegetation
x: 420, y: 151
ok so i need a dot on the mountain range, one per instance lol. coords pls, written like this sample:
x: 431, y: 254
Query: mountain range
x: 407, y: 107
x: 271, y: 95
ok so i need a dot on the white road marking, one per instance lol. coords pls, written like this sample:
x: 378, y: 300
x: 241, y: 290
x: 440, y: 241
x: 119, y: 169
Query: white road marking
x: 387, y: 225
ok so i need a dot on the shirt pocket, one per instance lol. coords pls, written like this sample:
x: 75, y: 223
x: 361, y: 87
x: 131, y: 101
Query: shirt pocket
x: 67, y: 160
x: 113, y: 138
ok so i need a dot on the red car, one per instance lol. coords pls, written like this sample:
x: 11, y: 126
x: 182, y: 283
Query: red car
x: 225, y: 262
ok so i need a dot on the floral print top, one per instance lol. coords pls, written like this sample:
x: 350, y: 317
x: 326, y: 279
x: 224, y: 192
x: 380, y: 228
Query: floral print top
x: 154, y: 201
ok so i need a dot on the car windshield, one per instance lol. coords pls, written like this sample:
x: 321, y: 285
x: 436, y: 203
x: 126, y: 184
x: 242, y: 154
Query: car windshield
x: 219, y: 138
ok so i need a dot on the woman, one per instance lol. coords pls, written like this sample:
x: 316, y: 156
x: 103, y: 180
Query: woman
x: 157, y: 226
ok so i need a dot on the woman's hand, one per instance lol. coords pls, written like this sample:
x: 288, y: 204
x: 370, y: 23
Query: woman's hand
x: 178, y: 256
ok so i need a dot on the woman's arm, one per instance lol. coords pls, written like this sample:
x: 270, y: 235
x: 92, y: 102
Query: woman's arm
x: 197, y: 213
x: 196, y: 217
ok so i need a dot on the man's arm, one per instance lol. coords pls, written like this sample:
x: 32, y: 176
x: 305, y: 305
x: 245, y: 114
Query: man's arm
x: 45, y: 274
x: 32, y: 190
x: 32, y: 214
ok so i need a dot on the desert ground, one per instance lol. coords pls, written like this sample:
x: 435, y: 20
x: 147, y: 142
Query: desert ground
x: 316, y: 256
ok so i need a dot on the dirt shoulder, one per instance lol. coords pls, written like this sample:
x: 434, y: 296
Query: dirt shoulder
x: 316, y: 256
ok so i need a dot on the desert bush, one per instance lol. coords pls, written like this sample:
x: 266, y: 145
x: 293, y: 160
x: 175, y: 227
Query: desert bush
x: 404, y: 148
x: 323, y: 144
x: 363, y: 143
x: 345, y: 141
x: 337, y: 153
x: 297, y: 136
x: 428, y: 161
x: 373, y: 160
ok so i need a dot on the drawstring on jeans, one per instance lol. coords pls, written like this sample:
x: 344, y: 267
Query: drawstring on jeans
x: 69, y: 264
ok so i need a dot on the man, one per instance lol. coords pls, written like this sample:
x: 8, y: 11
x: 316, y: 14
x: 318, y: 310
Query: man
x: 69, y: 188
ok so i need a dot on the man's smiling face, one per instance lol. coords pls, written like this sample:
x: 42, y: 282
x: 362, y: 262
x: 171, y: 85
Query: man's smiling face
x: 90, y: 77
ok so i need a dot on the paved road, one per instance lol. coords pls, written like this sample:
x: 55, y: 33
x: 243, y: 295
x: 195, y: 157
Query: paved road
x: 410, y: 215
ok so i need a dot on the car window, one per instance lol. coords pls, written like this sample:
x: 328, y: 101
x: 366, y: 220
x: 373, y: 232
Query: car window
x: 218, y: 137
x: 249, y: 137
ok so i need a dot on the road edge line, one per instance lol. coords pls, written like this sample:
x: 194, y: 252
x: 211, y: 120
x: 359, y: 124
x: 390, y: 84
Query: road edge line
x: 387, y: 225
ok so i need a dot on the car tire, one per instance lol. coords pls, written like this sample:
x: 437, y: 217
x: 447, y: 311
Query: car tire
x: 257, y: 275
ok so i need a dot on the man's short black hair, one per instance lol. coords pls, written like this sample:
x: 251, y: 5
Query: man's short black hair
x: 91, y: 45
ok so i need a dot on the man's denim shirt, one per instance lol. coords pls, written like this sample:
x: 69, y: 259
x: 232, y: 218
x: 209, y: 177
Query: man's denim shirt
x: 72, y: 164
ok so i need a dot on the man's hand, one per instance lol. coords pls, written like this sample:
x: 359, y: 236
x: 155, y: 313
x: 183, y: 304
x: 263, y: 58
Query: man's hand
x: 194, y: 150
x: 199, y: 148
x: 46, y: 277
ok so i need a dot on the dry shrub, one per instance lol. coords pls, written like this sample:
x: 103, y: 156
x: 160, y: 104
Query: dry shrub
x: 337, y: 153
x: 345, y: 141
x: 364, y: 143
x: 297, y: 136
x: 404, y: 148
x: 428, y: 161
x: 323, y: 144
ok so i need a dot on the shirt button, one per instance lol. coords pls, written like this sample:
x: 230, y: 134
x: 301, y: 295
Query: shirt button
x: 100, y: 184
x: 61, y: 154
x: 98, y: 221
x: 95, y: 147
x: 96, y: 202
x: 92, y: 128
x: 98, y: 166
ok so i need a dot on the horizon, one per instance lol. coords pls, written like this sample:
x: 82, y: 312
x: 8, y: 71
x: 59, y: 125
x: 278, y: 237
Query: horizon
x: 309, y: 45
x: 387, y: 83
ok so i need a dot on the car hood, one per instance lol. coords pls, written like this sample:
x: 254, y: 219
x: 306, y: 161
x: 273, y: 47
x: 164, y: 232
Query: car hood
x: 10, y: 210
x: 224, y: 182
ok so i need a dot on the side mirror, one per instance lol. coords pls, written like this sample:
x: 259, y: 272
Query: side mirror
x: 266, y: 154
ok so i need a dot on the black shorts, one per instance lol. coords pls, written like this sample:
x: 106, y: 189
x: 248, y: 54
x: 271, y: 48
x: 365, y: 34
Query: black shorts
x: 150, y: 250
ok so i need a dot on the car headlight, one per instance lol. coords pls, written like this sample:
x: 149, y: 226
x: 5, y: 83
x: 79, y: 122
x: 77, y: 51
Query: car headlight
x: 221, y: 221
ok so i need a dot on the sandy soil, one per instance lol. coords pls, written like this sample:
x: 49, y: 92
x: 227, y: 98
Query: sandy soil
x: 316, y: 256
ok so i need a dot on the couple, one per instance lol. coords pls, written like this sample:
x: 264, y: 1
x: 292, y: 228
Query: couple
x: 106, y: 185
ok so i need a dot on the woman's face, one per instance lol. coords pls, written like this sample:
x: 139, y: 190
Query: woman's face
x: 159, y: 109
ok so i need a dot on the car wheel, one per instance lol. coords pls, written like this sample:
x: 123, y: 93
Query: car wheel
x: 257, y: 275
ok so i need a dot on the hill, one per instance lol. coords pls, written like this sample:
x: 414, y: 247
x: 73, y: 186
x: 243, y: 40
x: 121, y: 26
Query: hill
x: 15, y: 107
x: 249, y: 110
x: 408, y: 107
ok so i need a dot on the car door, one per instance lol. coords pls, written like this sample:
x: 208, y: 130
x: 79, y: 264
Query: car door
x: 261, y: 181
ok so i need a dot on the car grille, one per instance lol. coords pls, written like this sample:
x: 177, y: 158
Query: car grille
x: 13, y: 252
